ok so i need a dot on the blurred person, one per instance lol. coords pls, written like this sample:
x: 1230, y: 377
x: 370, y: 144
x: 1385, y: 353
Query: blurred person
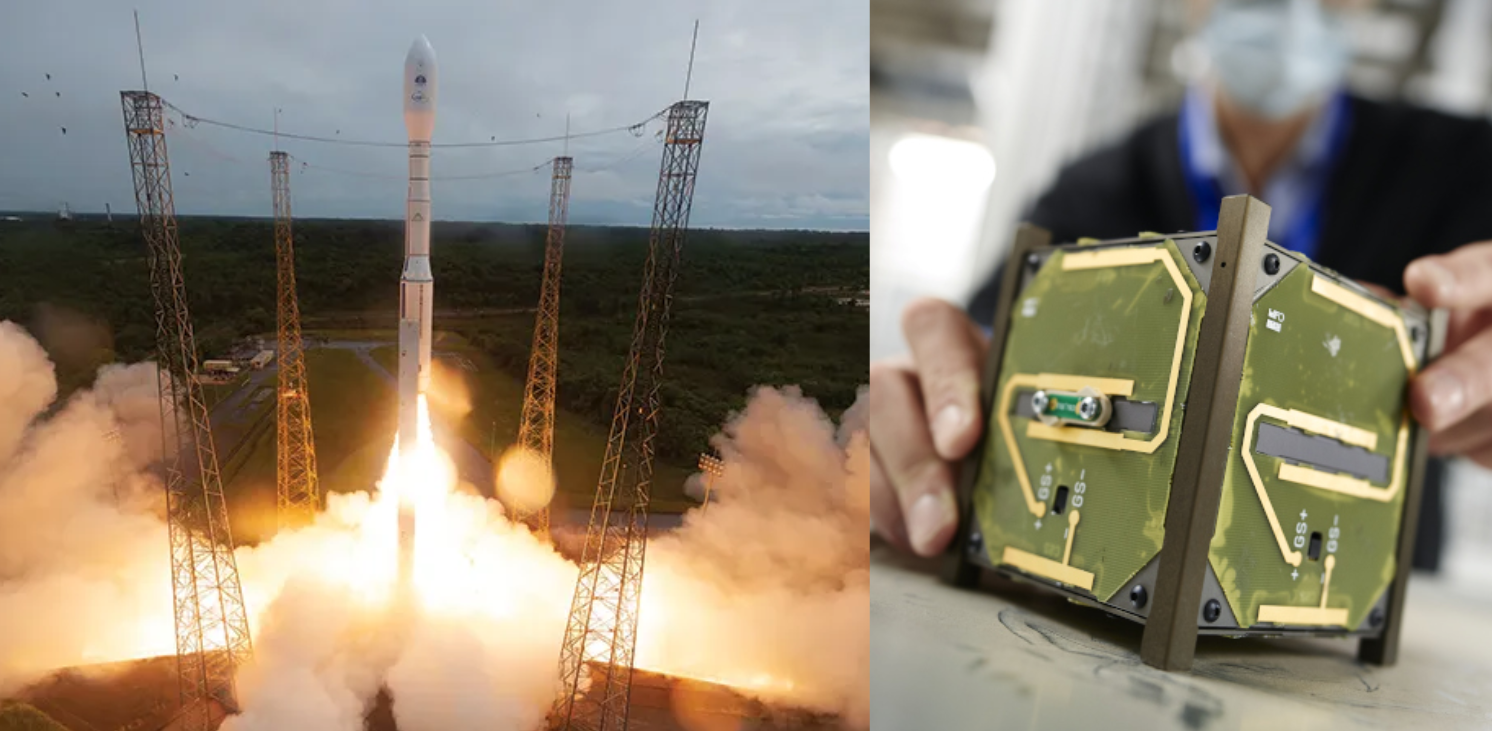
x: 1386, y: 193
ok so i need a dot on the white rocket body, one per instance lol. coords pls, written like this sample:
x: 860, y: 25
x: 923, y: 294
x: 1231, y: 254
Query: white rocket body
x: 416, y: 285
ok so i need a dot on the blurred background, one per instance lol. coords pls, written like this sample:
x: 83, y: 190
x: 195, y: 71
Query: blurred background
x: 975, y: 105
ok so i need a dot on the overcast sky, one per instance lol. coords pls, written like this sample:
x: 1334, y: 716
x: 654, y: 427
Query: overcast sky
x: 785, y: 145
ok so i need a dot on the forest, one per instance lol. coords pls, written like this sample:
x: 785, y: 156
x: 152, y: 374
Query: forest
x: 751, y: 307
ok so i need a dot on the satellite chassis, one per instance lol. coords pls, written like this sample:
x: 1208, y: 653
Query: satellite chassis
x: 1202, y: 433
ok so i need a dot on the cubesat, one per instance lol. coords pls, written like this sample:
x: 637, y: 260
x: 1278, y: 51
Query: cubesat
x: 1203, y: 433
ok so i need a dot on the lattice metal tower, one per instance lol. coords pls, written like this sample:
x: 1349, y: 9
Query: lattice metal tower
x: 536, y: 427
x: 295, y: 473
x: 602, y: 628
x: 212, y: 629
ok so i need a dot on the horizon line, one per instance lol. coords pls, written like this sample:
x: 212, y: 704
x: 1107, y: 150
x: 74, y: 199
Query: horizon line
x: 130, y: 213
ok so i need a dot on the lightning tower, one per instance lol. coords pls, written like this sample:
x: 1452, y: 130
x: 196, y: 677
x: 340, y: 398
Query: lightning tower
x: 212, y: 630
x: 295, y: 472
x: 602, y: 628
x: 536, y: 427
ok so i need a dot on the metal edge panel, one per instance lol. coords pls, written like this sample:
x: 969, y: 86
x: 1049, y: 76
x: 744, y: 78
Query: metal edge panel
x: 1169, y: 641
x: 1384, y: 649
x: 957, y: 569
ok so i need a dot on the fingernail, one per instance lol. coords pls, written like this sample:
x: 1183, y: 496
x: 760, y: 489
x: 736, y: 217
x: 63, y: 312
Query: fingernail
x: 933, y: 517
x: 1447, y: 396
x: 947, y: 426
x: 1441, y: 280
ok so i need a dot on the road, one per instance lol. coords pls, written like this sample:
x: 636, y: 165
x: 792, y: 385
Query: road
x: 234, y: 418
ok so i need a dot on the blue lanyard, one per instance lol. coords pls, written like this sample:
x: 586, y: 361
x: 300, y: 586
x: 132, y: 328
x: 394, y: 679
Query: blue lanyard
x: 1302, y: 233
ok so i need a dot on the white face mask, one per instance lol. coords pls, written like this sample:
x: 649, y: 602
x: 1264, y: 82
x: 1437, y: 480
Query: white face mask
x: 1276, y: 57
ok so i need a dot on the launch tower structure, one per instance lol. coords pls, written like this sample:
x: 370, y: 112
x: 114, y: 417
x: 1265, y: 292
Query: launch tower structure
x: 602, y: 628
x: 212, y: 629
x: 536, y: 426
x: 297, y: 493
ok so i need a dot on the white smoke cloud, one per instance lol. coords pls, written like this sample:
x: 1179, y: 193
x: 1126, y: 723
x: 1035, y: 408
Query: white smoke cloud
x: 767, y: 589
x: 83, y: 558
x: 774, y: 574
x: 483, y: 657
x: 28, y: 384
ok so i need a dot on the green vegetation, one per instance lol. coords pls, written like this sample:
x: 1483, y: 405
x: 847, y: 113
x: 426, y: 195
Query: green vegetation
x: 751, y: 307
x: 16, y: 716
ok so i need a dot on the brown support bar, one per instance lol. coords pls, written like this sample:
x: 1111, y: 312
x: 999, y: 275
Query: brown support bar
x: 957, y: 569
x: 1206, y: 434
x: 1384, y: 649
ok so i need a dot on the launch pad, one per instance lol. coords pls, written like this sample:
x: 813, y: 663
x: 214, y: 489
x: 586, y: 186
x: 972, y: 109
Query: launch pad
x: 140, y: 695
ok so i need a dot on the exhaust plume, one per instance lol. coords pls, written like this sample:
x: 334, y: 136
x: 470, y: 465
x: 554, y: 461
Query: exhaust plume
x: 766, y: 590
x: 83, y: 562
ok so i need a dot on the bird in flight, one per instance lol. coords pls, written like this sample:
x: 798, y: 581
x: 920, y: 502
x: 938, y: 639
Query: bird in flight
x: 64, y: 130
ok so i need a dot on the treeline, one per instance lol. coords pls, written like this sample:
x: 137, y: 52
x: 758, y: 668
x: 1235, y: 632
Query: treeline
x: 752, y: 306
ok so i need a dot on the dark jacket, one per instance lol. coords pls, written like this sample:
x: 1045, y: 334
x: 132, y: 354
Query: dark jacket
x: 1410, y: 182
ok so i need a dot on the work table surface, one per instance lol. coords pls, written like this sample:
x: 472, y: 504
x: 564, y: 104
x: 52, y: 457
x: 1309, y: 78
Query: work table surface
x: 1006, y: 656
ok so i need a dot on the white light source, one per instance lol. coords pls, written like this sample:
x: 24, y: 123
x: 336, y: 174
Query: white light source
x: 942, y: 161
x: 925, y: 238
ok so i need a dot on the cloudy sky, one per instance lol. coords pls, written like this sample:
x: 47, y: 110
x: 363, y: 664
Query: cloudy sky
x: 785, y: 145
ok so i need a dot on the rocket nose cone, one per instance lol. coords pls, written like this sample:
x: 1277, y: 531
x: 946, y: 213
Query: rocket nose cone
x: 420, y: 89
x: 420, y: 51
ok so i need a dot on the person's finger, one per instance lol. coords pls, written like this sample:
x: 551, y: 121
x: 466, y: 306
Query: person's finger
x: 1457, y: 384
x: 900, y: 441
x: 1482, y: 457
x: 885, y: 512
x: 1461, y: 279
x: 1462, y: 325
x: 948, y: 355
x: 1470, y: 434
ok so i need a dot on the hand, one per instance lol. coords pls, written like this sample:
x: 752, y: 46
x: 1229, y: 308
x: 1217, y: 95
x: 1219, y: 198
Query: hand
x: 1453, y: 396
x: 924, y: 416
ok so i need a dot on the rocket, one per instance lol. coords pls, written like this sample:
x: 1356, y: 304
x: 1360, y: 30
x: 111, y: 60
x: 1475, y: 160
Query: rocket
x: 416, y: 285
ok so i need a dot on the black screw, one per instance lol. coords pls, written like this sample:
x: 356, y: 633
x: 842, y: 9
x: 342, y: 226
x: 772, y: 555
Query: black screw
x: 1202, y: 251
x: 1414, y: 333
x: 1375, y: 617
x: 1212, y: 610
x: 1271, y: 264
x: 1138, y: 596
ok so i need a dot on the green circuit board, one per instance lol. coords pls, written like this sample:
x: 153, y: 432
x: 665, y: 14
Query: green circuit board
x: 1117, y: 316
x: 1324, y: 378
x: 1315, y: 479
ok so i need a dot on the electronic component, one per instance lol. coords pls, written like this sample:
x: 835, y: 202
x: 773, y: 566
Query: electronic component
x: 1202, y: 432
